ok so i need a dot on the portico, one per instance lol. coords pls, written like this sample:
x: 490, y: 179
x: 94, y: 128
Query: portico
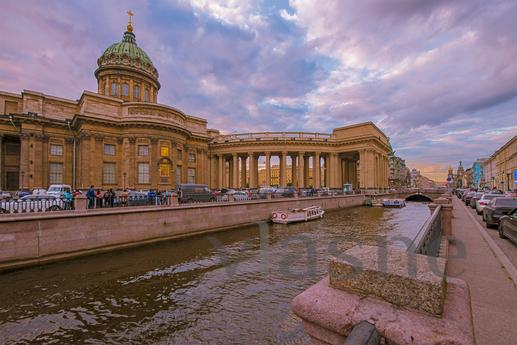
x: 356, y: 155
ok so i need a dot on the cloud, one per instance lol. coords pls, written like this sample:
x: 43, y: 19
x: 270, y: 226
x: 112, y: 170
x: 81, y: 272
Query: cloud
x: 439, y: 77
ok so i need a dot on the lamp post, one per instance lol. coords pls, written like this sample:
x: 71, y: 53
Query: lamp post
x: 124, y: 183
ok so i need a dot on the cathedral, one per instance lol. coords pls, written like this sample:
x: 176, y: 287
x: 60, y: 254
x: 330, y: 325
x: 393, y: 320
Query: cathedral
x: 121, y: 137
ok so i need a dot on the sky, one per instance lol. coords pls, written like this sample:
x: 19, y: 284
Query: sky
x: 439, y: 77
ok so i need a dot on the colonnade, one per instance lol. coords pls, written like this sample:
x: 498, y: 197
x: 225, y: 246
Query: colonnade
x: 365, y: 169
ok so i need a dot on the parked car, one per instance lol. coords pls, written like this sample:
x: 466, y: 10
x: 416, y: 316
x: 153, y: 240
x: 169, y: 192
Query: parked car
x: 497, y: 208
x: 58, y: 189
x: 21, y: 193
x: 4, y: 195
x: 475, y: 198
x: 240, y: 195
x: 189, y: 192
x: 508, y: 226
x: 483, y: 201
x: 467, y: 197
x: 32, y: 203
x: 284, y: 192
x: 39, y: 191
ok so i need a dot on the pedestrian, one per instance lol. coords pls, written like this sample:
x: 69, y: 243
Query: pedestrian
x: 98, y: 197
x: 123, y: 198
x: 67, y: 195
x: 90, y: 194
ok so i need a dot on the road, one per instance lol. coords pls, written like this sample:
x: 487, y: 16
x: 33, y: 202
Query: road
x: 508, y: 247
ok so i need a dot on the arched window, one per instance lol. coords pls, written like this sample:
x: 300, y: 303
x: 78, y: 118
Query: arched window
x: 114, y: 87
x: 146, y: 95
x: 125, y: 90
x: 136, y: 92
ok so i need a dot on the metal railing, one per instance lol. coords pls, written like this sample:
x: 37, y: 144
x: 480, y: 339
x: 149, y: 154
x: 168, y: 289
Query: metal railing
x: 279, y: 136
x: 427, y: 241
x: 37, y: 205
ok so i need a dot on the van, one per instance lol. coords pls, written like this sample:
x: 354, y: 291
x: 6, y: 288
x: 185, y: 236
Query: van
x: 58, y: 189
x: 189, y: 192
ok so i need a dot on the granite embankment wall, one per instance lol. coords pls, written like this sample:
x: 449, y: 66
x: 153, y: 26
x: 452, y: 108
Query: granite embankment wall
x: 32, y: 239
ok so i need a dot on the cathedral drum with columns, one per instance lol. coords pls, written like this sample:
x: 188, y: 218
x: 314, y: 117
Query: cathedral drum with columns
x: 121, y: 137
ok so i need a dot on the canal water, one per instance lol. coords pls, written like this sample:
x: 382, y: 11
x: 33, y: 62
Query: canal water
x: 232, y: 287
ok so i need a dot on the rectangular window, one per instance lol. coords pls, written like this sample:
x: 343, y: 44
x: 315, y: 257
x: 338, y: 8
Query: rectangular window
x: 109, y: 149
x: 109, y: 173
x: 56, y: 150
x: 114, y: 87
x: 125, y: 90
x: 165, y: 170
x: 136, y: 92
x: 146, y: 95
x: 143, y: 173
x: 164, y: 151
x: 178, y: 174
x: 191, y: 177
x: 191, y: 157
x: 180, y: 155
x: 12, y: 148
x: 55, y: 173
x: 143, y: 150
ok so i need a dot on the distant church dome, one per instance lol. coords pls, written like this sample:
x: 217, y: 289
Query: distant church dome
x: 126, y: 71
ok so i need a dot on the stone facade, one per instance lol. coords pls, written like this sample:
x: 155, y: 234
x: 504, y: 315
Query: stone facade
x: 120, y: 137
x: 501, y: 167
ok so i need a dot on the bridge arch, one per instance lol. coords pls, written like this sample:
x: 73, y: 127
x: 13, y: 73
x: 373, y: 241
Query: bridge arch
x: 419, y: 197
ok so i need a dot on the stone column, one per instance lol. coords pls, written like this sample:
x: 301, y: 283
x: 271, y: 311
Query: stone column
x: 235, y: 171
x: 282, y: 172
x: 220, y: 167
x: 316, y: 169
x: 153, y: 166
x: 243, y: 172
x: 24, y: 160
x: 294, y: 175
x: 268, y: 169
x: 306, y: 171
x: 251, y: 164
x: 301, y: 170
x: 333, y: 170
x: 327, y: 170
x: 339, y: 172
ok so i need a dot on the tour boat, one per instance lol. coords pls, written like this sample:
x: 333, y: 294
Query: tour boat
x: 297, y: 215
x: 394, y: 203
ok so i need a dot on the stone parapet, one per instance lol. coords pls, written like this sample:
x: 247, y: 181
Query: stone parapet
x: 35, y: 238
x: 403, y: 279
x: 329, y: 314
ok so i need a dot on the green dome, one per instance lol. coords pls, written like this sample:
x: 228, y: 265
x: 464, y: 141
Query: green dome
x: 127, y: 53
x: 129, y: 48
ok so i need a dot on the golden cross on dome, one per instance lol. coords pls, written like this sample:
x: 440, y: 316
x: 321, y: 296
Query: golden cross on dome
x: 129, y: 25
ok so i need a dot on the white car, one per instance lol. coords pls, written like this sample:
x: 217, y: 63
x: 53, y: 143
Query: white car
x: 58, y: 189
x: 483, y: 201
x: 5, y: 195
x: 39, y: 191
x: 32, y: 203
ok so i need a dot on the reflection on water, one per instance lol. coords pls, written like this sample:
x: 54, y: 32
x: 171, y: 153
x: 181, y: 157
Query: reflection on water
x: 232, y: 287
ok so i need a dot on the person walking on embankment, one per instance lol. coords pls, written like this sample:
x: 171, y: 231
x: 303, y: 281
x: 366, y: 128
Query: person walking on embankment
x: 90, y: 194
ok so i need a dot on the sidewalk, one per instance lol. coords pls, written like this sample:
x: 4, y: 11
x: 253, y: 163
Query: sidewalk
x: 493, y: 293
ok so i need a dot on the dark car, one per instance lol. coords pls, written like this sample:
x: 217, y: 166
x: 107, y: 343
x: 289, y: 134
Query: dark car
x: 497, y: 208
x: 475, y: 198
x: 508, y: 226
x: 467, y: 197
x: 190, y: 192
